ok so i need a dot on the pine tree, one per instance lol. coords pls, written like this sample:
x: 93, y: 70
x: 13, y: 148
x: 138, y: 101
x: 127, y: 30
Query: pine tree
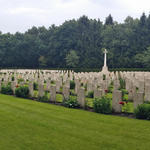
x: 109, y: 20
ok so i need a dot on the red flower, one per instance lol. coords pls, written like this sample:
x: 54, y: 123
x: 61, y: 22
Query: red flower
x: 17, y: 86
x: 106, y: 91
x: 122, y: 103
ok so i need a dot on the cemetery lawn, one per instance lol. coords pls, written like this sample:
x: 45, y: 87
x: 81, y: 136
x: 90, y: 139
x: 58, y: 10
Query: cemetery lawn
x: 31, y: 125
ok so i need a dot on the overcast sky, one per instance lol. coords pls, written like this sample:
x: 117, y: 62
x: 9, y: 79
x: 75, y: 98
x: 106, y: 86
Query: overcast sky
x: 20, y: 15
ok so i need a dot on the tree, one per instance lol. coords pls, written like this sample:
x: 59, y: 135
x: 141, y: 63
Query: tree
x: 143, y: 58
x: 72, y: 59
x: 109, y: 20
x: 42, y: 62
x: 80, y: 39
x: 143, y: 19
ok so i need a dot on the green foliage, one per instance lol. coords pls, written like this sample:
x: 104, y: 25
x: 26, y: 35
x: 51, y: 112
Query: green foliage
x: 42, y: 62
x: 142, y: 111
x: 7, y: 90
x: 90, y: 94
x: 82, y: 85
x: 44, y: 98
x: 110, y: 88
x: 124, y: 91
x: 20, y: 80
x: 79, y: 43
x: 85, y: 87
x: 71, y: 103
x: 52, y: 82
x: 35, y: 86
x: 72, y: 59
x: 22, y: 91
x: 12, y: 78
x: 122, y: 83
x: 104, y: 77
x: 143, y: 58
x: 72, y: 84
x: 102, y: 105
x: 109, y: 20
x: 126, y: 107
x: 72, y: 92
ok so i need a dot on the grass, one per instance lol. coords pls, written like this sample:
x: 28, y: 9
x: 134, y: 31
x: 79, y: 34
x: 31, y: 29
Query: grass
x: 31, y: 125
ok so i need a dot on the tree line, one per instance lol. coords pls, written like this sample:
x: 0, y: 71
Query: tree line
x: 79, y: 44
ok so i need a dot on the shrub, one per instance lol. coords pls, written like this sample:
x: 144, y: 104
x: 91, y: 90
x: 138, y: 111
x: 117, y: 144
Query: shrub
x: 110, y: 89
x: 72, y: 92
x: 7, y: 90
x: 124, y: 91
x: 125, y: 106
x: 12, y: 78
x: 104, y: 77
x: 52, y: 82
x: 90, y: 94
x: 122, y: 83
x: 71, y: 103
x: 22, y: 91
x: 72, y: 84
x: 82, y: 84
x: 9, y: 84
x: 85, y: 86
x: 102, y: 105
x: 44, y: 98
x: 142, y: 111
x: 20, y: 80
x: 35, y: 86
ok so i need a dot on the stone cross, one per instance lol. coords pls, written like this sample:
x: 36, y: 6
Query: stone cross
x: 105, y: 68
x: 105, y: 59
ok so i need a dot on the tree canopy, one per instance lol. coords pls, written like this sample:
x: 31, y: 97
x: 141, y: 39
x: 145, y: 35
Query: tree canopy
x: 72, y: 59
x: 82, y: 41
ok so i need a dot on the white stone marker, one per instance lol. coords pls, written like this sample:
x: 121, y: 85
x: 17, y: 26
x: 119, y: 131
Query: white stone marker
x: 41, y: 90
x: 31, y: 89
x: 66, y: 93
x: 98, y: 93
x: 13, y: 86
x: 58, y: 86
x: 53, y: 93
x: 117, y: 98
x: 147, y: 92
x: 139, y: 99
x: 77, y: 85
x: 81, y: 97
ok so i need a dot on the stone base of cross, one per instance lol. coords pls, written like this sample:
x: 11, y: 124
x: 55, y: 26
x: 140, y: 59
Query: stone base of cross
x: 105, y: 69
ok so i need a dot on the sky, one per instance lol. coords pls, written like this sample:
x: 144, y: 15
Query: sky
x: 21, y: 15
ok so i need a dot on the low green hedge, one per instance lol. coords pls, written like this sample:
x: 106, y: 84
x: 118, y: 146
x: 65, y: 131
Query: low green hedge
x: 22, y: 91
x: 142, y: 111
x: 71, y: 103
x: 102, y: 105
x: 7, y: 90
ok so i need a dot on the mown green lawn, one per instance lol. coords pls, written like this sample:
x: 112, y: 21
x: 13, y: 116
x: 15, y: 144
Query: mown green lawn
x: 31, y: 125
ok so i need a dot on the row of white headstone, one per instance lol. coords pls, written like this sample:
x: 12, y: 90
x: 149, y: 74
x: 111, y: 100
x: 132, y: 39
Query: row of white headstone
x: 94, y: 80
